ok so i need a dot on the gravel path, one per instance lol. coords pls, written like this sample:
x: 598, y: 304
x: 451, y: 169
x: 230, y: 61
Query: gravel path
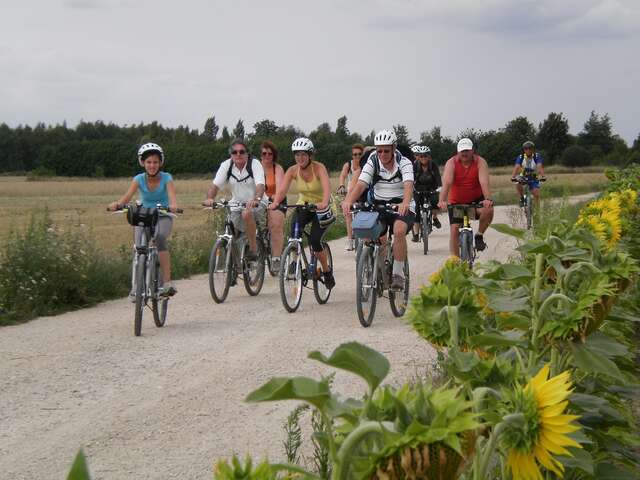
x: 168, y: 404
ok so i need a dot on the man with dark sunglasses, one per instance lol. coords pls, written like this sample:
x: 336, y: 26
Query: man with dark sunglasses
x: 247, y: 184
x: 349, y: 170
x: 390, y: 174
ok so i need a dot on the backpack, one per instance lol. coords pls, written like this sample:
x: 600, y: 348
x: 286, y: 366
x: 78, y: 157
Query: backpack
x: 249, y: 171
x: 367, y: 195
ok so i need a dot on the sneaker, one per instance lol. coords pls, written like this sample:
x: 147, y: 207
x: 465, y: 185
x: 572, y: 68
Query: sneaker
x: 348, y: 246
x: 132, y: 296
x: 415, y: 238
x: 522, y: 201
x: 436, y: 222
x: 168, y: 290
x: 397, y: 283
x: 479, y: 241
x: 275, y: 264
x: 329, y: 281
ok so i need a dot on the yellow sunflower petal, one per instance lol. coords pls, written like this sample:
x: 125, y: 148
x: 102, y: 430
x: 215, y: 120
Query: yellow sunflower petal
x: 541, y: 377
x: 560, y: 419
x: 553, y: 410
x: 548, y: 461
x: 560, y: 429
x: 523, y: 466
x: 555, y: 442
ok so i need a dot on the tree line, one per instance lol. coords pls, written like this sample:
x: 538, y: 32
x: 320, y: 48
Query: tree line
x: 108, y: 150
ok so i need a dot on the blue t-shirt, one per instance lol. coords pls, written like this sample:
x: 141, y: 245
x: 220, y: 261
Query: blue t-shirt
x: 160, y: 195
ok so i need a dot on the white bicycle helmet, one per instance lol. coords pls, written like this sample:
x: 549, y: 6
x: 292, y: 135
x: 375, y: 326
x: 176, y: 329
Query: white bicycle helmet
x: 150, y: 147
x: 385, y: 137
x: 302, y: 144
x: 421, y: 149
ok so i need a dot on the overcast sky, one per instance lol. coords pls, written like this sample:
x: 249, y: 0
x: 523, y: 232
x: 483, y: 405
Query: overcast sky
x: 455, y: 63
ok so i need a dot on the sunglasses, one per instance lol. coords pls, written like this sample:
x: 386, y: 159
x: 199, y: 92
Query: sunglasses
x: 356, y: 154
x: 265, y: 154
x: 238, y: 152
x: 383, y: 150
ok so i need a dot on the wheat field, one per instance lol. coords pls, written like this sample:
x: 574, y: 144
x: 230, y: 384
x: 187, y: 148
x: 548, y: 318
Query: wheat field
x: 80, y: 203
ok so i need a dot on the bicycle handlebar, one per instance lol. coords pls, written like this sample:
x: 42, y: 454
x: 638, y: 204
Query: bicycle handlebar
x: 223, y: 204
x: 306, y: 206
x: 524, y: 179
x: 161, y: 210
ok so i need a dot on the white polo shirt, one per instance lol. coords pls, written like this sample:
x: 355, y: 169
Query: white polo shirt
x: 243, y: 187
x: 391, y: 184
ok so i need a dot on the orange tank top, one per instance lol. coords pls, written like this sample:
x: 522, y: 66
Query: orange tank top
x: 466, y: 182
x: 270, y: 180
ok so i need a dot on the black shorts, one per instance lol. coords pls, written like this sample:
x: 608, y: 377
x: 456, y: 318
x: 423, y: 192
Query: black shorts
x: 458, y: 221
x: 388, y: 219
x: 419, y: 198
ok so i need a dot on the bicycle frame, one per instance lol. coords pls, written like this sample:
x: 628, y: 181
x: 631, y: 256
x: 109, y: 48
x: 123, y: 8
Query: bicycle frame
x: 298, y: 232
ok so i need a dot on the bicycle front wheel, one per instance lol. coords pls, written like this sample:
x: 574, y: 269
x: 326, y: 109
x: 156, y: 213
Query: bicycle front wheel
x: 141, y: 267
x: 320, y: 290
x: 398, y: 300
x: 253, y: 272
x: 529, y: 210
x: 220, y: 270
x: 158, y: 304
x: 426, y: 229
x: 366, y: 296
x: 466, y: 247
x: 291, y: 278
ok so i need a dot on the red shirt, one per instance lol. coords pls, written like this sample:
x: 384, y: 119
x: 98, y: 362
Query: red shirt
x: 466, y: 181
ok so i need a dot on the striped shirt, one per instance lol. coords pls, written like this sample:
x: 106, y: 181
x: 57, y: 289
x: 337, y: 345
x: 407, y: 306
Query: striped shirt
x: 390, y: 185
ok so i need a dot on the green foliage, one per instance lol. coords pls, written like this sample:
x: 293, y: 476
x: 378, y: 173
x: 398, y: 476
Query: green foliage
x: 597, y: 132
x: 293, y: 431
x: 79, y: 469
x: 45, y: 270
x: 576, y: 156
x: 553, y: 136
x: 238, y: 471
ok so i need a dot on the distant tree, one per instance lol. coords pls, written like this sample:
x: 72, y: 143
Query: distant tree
x: 597, y: 132
x: 576, y: 156
x: 636, y: 143
x: 520, y: 129
x: 341, y: 128
x: 402, y: 133
x: 238, y: 131
x: 442, y: 148
x: 226, y: 138
x: 211, y: 128
x: 368, y: 140
x: 265, y: 129
x: 553, y: 136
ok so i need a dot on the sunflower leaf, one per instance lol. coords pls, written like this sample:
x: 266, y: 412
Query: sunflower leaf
x: 580, y: 459
x: 79, y: 469
x: 296, y: 388
x: 509, y: 230
x: 593, y: 362
x: 359, y: 359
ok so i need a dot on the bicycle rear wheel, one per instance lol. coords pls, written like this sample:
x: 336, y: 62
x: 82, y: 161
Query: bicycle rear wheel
x: 366, y: 295
x: 320, y: 291
x: 253, y: 272
x: 291, y: 278
x: 220, y: 270
x: 398, y: 300
x: 466, y: 247
x: 141, y: 267
x: 159, y: 304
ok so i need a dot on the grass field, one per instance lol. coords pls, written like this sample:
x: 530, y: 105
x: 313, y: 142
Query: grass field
x: 81, y: 203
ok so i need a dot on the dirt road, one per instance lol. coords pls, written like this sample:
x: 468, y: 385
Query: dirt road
x: 169, y: 403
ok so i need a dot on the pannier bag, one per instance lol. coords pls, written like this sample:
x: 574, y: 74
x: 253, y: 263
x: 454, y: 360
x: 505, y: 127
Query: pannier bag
x: 139, y: 216
x: 366, y: 225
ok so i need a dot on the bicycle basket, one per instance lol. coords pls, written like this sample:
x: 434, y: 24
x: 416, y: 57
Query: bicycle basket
x: 325, y: 217
x: 366, y: 225
x: 139, y: 216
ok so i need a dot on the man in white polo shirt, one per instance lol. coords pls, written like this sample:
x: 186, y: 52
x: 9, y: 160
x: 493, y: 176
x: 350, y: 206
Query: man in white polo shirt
x: 391, y: 175
x: 247, y: 185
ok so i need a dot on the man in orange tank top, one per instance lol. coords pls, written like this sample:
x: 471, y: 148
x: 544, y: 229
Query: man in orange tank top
x: 466, y: 180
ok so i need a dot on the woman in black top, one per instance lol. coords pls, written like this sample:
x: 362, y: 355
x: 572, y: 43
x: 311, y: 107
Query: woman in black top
x: 427, y: 179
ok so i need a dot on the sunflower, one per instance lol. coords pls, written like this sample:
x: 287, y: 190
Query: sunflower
x: 543, y: 434
x: 614, y: 227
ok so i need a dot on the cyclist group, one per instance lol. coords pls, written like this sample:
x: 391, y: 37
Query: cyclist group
x: 381, y: 174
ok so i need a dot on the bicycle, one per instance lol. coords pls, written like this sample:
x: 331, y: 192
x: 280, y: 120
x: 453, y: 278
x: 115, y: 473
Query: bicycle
x: 527, y: 205
x: 146, y: 275
x: 374, y: 269
x: 466, y: 211
x: 296, y: 270
x: 426, y: 220
x: 228, y: 257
